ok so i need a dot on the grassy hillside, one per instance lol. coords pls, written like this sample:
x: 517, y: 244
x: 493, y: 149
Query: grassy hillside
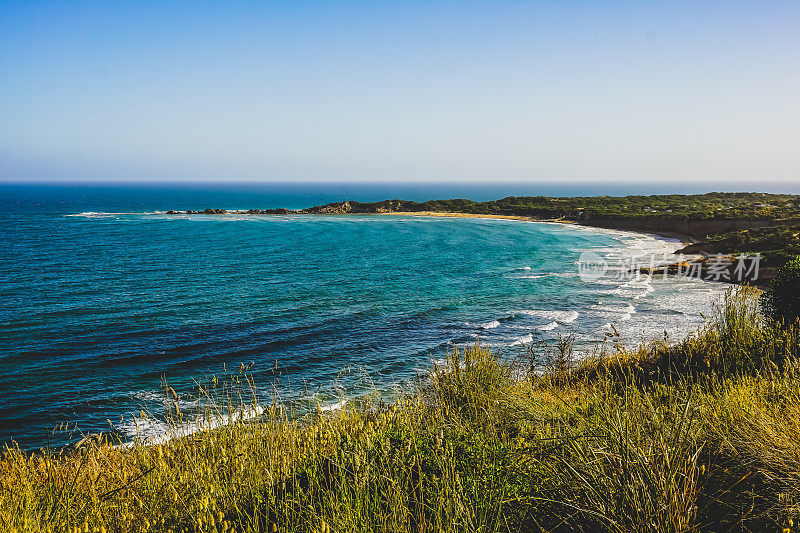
x: 703, y: 435
x: 777, y: 244
x: 722, y: 206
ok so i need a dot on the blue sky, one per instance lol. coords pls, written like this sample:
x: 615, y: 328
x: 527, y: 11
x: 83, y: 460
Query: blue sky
x: 534, y: 91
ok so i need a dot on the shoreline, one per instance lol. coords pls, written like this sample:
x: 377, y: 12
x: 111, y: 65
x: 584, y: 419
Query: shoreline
x: 683, y: 239
x: 722, y: 225
x: 698, y: 265
x: 217, y: 470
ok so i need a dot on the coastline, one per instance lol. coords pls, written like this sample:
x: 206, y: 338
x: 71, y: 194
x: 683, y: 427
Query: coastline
x: 724, y: 226
x: 205, y: 481
x: 684, y: 239
x: 683, y: 263
x: 621, y: 235
x: 687, y: 261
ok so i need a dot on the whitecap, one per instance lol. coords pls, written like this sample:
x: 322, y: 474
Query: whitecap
x: 152, y: 431
x: 564, y: 317
x: 483, y: 325
x: 624, y: 308
x: 333, y: 406
x: 525, y: 339
x: 95, y: 214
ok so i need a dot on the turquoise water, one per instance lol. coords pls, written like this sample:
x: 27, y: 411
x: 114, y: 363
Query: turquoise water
x: 104, y: 296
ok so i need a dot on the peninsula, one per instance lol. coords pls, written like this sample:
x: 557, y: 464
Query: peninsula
x: 719, y: 223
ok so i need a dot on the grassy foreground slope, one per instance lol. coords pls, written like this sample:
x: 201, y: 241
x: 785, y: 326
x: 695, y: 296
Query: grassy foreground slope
x: 703, y: 435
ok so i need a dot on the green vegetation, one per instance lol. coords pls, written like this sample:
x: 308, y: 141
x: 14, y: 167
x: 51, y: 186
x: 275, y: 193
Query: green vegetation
x: 776, y: 244
x: 711, y: 206
x: 782, y: 299
x: 725, y: 223
x: 702, y: 435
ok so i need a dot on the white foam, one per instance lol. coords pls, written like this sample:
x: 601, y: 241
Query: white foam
x: 634, y: 289
x: 96, y: 214
x: 564, y: 317
x: 550, y: 326
x: 151, y: 431
x: 525, y: 339
x: 547, y: 275
x: 333, y: 406
x: 101, y: 214
x: 620, y: 311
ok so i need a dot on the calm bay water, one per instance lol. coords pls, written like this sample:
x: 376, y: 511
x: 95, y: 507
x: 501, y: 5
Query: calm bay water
x: 104, y: 296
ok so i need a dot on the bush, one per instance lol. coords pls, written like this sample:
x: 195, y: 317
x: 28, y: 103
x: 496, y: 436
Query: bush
x: 782, y: 299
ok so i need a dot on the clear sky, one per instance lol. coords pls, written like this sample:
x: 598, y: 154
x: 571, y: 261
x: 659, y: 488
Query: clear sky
x: 555, y: 90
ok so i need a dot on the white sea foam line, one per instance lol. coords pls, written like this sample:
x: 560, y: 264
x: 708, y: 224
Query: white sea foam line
x: 333, y: 406
x: 113, y: 213
x: 92, y: 213
x: 550, y: 326
x: 525, y: 339
x: 547, y: 275
x: 151, y: 432
x: 564, y: 317
x: 613, y: 308
x: 150, y: 396
x: 483, y: 325
x: 660, y: 250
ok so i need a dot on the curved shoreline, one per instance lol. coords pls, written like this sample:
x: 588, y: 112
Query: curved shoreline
x: 684, y: 239
x: 701, y: 264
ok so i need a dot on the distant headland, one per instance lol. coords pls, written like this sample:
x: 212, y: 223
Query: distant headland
x: 720, y: 223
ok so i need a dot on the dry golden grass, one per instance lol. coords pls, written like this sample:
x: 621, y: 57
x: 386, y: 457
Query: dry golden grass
x: 703, y: 435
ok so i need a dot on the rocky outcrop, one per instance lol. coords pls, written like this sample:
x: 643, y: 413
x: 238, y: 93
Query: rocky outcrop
x: 707, y: 248
x: 337, y: 208
x: 728, y: 269
x: 347, y: 207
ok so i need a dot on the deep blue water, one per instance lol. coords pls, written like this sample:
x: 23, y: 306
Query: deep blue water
x: 103, y: 296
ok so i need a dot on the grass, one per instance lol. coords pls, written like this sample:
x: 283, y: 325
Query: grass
x: 709, y: 206
x: 699, y: 436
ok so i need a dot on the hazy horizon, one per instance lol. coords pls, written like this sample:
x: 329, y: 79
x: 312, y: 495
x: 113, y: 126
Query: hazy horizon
x: 540, y: 92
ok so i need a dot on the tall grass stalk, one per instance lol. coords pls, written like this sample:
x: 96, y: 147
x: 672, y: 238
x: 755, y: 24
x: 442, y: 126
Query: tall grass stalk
x: 700, y: 435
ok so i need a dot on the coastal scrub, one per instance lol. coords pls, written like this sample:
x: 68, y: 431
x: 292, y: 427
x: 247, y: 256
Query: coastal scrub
x: 700, y: 435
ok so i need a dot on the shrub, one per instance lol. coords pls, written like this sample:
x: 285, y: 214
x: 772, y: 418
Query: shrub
x: 781, y: 301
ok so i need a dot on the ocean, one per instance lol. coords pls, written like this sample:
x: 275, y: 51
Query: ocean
x: 106, y: 297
